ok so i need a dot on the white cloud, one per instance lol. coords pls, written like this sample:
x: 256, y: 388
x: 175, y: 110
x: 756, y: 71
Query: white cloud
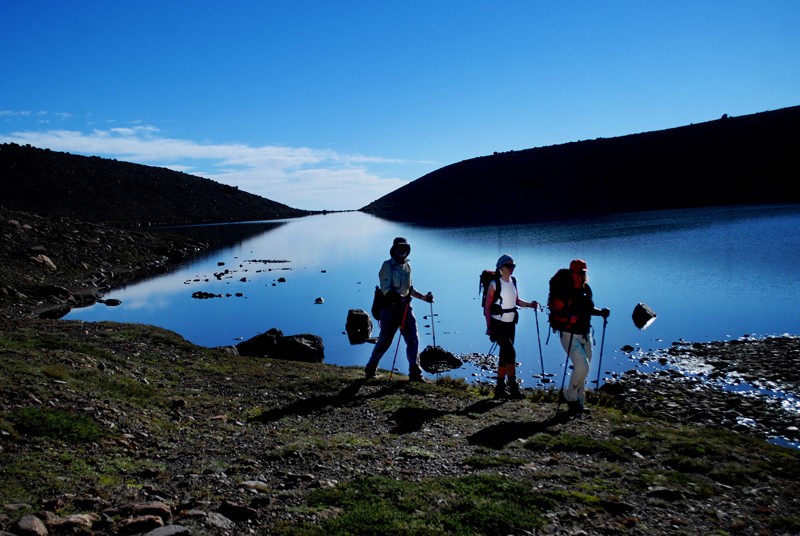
x: 301, y: 177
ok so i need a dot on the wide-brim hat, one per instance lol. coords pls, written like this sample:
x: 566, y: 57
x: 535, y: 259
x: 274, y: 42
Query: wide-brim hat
x: 400, y: 247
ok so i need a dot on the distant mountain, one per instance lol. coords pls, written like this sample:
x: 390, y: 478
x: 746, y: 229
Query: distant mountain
x: 751, y: 159
x: 104, y: 190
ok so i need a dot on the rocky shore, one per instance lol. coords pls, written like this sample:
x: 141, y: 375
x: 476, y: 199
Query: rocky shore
x: 112, y: 428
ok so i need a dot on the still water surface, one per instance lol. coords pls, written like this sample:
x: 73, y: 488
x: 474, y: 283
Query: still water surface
x: 709, y: 274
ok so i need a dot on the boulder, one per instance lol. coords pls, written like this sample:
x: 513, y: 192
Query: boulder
x: 435, y: 359
x: 302, y: 347
x: 358, y: 326
x: 643, y: 316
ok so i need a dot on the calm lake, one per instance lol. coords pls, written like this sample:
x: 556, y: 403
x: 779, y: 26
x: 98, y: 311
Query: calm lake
x: 709, y: 274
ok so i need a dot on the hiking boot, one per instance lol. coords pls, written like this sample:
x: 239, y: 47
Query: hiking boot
x: 415, y: 373
x: 369, y: 373
x: 416, y: 377
x: 513, y: 389
x: 575, y: 408
x: 500, y: 388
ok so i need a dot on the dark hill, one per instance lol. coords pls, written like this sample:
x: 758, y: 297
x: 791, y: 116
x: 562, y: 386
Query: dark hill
x: 104, y: 190
x: 749, y: 159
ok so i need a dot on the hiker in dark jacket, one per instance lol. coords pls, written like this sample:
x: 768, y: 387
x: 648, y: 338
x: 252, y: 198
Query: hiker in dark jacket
x: 395, y: 283
x: 500, y: 310
x: 577, y: 309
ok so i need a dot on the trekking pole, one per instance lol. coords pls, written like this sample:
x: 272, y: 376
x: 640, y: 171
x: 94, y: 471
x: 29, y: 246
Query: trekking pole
x: 433, y: 321
x: 402, y: 324
x: 564, y: 377
x: 539, y: 338
x: 600, y: 360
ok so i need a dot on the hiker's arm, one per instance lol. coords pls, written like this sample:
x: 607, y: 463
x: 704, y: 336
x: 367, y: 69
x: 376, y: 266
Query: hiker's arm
x: 424, y: 297
x: 531, y: 304
x: 604, y: 312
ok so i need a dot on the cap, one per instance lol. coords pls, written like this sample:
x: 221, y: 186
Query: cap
x: 578, y: 265
x: 504, y: 259
x: 400, y: 247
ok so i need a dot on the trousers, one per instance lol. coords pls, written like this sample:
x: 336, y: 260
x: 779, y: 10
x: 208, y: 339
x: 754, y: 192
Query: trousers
x: 391, y: 318
x: 580, y: 354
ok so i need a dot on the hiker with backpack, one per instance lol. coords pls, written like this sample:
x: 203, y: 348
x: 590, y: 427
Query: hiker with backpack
x: 500, y: 309
x: 396, y: 311
x: 571, y: 309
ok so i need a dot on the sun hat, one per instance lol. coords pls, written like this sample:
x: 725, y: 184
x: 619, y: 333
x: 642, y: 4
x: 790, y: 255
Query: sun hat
x: 400, y: 247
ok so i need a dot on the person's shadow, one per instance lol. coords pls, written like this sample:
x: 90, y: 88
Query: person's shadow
x: 306, y: 406
x: 498, y: 435
x: 411, y: 419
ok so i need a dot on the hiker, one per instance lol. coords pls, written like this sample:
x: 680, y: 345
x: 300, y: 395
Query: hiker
x: 500, y: 310
x: 396, y: 312
x: 575, y: 310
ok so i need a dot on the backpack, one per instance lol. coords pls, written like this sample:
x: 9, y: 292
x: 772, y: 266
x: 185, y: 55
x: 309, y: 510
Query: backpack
x: 378, y: 303
x: 560, y: 286
x: 486, y: 278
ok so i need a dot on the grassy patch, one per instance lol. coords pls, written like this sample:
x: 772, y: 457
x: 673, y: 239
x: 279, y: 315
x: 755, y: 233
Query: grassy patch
x: 609, y: 449
x: 487, y: 460
x: 392, y: 403
x: 56, y: 372
x: 479, y: 504
x: 56, y: 424
x: 785, y: 524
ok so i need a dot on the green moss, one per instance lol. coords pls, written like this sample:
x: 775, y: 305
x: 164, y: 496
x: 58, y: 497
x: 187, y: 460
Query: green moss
x: 475, y: 504
x: 56, y: 424
x: 609, y: 449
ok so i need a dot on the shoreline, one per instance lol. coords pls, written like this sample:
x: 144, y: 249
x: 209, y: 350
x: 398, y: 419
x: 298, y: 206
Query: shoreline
x: 82, y: 273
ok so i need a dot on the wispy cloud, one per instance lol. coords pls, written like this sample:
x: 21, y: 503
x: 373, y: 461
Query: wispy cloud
x: 301, y: 177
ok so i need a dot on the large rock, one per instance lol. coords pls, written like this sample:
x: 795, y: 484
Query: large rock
x: 358, y: 326
x: 435, y: 359
x: 302, y: 347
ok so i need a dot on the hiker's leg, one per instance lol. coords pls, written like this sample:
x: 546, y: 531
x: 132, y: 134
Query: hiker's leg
x: 504, y: 335
x: 411, y: 337
x: 389, y: 323
x: 586, y: 350
x: 510, y: 363
x: 580, y: 365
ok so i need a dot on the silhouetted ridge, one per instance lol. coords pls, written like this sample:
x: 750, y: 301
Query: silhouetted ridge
x: 730, y: 161
x: 104, y: 190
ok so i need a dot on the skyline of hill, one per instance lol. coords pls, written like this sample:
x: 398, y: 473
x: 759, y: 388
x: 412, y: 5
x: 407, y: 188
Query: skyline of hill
x: 729, y: 161
x: 123, y: 193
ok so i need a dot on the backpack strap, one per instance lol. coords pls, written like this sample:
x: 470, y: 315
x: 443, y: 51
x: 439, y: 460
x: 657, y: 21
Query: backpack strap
x: 499, y: 301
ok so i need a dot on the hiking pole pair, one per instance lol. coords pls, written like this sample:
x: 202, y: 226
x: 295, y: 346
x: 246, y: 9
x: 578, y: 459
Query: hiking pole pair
x: 402, y: 325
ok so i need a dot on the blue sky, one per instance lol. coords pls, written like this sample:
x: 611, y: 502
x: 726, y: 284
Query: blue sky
x: 330, y: 105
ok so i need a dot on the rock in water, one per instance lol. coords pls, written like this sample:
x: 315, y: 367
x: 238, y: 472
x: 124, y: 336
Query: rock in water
x: 643, y: 316
x: 434, y: 359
